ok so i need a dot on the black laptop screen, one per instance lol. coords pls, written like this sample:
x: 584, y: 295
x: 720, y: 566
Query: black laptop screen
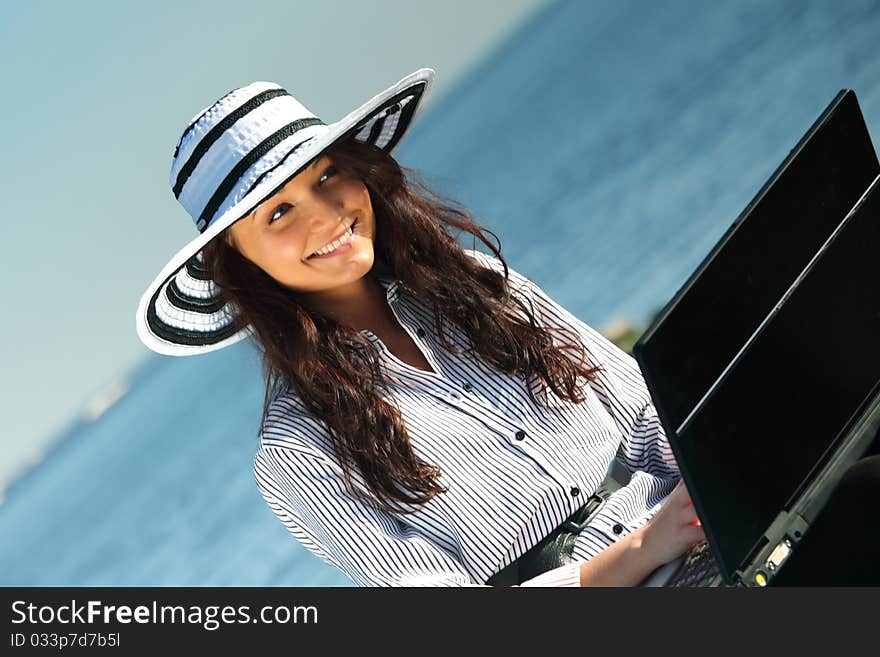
x: 759, y: 257
x: 752, y: 443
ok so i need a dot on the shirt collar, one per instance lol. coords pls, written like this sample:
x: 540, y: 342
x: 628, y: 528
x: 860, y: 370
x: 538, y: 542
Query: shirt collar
x: 391, y: 285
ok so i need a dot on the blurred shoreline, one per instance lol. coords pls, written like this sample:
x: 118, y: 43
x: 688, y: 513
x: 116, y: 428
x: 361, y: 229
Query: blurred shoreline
x: 96, y: 406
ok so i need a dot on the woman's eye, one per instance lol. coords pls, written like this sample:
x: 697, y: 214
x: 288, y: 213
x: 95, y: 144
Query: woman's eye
x: 277, y: 212
x: 328, y: 172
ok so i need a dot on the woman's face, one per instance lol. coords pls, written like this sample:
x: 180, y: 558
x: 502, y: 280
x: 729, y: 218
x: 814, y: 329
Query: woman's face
x: 312, y: 210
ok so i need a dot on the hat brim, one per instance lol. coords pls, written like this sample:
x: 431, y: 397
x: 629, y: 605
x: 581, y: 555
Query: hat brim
x: 189, y: 319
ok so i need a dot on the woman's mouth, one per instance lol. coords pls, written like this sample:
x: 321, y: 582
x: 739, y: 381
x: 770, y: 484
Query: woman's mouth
x: 340, y: 245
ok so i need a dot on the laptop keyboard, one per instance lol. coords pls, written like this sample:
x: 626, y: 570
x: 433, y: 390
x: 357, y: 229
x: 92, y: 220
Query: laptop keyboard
x: 698, y: 569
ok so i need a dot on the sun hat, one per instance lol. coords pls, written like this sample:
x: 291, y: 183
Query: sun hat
x: 233, y: 155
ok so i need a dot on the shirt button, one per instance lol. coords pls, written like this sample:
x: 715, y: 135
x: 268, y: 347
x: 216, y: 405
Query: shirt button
x: 519, y: 435
x: 467, y: 387
x: 617, y: 528
x: 575, y: 491
x: 421, y: 332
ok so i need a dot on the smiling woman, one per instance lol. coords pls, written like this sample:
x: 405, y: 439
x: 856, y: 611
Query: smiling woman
x: 431, y: 416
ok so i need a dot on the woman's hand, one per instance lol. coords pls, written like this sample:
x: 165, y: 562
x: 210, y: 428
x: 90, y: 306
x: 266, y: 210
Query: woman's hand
x: 673, y: 530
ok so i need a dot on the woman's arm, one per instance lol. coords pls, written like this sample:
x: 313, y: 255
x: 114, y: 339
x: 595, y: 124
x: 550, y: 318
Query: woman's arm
x: 372, y: 548
x: 674, y: 528
x: 671, y: 532
x: 623, y: 563
x: 621, y: 389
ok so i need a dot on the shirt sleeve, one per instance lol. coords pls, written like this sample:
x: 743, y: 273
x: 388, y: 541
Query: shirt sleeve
x: 567, y: 575
x: 620, y: 385
x: 306, y: 492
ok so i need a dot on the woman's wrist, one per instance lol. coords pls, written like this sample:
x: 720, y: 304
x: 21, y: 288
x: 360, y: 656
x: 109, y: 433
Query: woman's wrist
x: 644, y: 550
x: 623, y: 563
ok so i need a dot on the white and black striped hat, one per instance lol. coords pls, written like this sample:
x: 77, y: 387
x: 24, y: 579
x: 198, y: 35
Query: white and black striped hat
x: 233, y: 155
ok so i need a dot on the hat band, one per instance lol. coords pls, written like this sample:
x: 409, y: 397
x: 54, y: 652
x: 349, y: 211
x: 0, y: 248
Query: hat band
x: 268, y: 172
x: 234, y: 176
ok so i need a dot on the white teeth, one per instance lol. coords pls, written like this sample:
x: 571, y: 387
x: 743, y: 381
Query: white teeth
x: 334, y: 245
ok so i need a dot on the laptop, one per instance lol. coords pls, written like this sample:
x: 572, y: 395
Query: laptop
x: 766, y: 309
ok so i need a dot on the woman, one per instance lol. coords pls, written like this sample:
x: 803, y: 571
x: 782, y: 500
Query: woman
x: 432, y: 417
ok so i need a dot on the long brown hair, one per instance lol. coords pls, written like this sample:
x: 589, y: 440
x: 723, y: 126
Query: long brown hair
x: 335, y: 370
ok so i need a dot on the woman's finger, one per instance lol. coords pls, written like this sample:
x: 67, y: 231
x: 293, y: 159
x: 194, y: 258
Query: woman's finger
x: 686, y: 515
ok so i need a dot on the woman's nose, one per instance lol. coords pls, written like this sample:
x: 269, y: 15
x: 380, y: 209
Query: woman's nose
x: 327, y: 211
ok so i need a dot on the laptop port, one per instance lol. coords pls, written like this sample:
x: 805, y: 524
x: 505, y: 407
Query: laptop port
x: 779, y: 555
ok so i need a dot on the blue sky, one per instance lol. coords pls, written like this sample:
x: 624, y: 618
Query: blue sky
x: 96, y: 95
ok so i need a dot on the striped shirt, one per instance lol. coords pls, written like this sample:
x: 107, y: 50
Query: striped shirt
x: 514, y: 470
